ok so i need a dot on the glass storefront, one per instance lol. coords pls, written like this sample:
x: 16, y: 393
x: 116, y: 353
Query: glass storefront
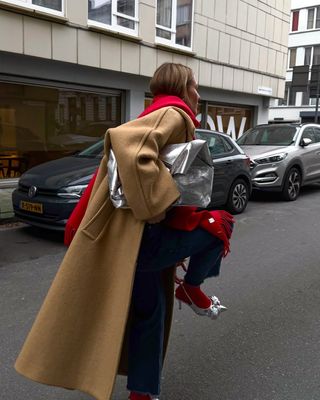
x: 232, y: 120
x: 39, y: 124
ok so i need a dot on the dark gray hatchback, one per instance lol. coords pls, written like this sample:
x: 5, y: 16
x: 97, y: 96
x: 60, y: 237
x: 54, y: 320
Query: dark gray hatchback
x: 47, y: 193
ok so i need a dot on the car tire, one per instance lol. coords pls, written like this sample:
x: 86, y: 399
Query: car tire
x: 238, y: 196
x: 292, y: 185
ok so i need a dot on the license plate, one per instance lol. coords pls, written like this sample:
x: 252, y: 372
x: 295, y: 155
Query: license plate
x: 32, y: 207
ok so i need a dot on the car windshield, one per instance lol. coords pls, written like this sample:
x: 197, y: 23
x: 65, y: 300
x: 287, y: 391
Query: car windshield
x: 269, y: 136
x: 94, y: 151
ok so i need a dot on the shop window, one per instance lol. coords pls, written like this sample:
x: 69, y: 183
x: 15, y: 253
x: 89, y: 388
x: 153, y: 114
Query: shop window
x: 119, y: 15
x: 38, y: 124
x: 295, y: 21
x: 174, y: 23
x: 232, y: 120
x: 52, y: 6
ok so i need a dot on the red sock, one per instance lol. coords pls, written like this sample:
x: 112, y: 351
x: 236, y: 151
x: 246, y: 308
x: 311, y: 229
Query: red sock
x: 139, y: 396
x: 197, y: 296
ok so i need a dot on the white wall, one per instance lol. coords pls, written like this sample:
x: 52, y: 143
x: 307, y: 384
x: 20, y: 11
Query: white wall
x: 304, y: 38
x: 303, y: 3
x: 287, y: 113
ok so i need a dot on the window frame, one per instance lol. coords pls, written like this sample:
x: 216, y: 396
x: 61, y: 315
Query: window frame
x: 173, y: 29
x: 316, y: 17
x: 310, y: 57
x: 292, y: 49
x: 292, y: 22
x: 114, y: 27
x: 27, y: 4
x: 313, y: 52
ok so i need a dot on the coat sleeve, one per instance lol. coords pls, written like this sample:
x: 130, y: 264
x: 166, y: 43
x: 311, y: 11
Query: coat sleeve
x: 147, y: 184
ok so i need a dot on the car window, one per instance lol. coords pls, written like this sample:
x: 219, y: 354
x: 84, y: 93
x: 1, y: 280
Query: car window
x: 94, y: 151
x: 316, y: 134
x: 308, y: 134
x: 217, y: 144
x: 227, y: 144
x: 269, y: 135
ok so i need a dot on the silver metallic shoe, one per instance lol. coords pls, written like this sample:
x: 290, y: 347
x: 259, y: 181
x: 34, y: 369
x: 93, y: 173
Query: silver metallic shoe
x: 213, y: 312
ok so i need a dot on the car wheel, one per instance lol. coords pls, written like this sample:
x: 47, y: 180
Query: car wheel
x: 238, y: 197
x: 292, y: 185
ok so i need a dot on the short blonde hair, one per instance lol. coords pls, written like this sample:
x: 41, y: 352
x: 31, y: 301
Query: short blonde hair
x: 172, y: 79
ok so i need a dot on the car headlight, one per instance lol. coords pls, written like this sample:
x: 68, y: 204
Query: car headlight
x: 271, y: 159
x: 72, y: 192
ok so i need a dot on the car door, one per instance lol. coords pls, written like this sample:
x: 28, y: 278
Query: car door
x: 224, y: 169
x: 316, y: 169
x: 310, y: 154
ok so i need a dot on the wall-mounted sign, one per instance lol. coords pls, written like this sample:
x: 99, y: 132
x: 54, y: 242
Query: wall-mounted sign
x: 266, y: 91
x: 228, y: 119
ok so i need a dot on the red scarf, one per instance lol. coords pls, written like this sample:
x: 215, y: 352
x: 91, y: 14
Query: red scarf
x: 163, y: 100
x: 218, y: 223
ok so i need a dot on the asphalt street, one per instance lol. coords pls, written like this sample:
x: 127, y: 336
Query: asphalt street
x: 265, y: 347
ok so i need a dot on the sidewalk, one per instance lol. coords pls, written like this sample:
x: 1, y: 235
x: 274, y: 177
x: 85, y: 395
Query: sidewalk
x: 6, y: 190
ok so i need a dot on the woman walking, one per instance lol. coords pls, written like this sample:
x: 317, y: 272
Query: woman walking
x: 109, y: 308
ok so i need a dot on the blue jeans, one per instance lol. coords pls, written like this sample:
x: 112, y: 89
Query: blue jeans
x: 162, y: 247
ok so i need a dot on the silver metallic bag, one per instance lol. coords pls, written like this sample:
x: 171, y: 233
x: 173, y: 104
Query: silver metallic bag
x: 191, y: 167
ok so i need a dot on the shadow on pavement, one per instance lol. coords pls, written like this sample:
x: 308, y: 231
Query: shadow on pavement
x: 43, y: 234
x: 272, y: 197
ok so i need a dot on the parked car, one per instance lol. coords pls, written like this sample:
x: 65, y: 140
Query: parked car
x: 284, y: 157
x: 232, y: 181
x: 47, y: 193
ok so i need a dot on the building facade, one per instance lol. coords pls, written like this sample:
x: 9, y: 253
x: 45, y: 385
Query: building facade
x: 304, y: 49
x: 70, y: 69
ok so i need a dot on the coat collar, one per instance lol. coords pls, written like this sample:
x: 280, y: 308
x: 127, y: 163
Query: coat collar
x: 161, y: 101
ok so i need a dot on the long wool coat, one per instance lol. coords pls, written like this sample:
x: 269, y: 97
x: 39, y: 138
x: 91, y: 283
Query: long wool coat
x: 78, y: 340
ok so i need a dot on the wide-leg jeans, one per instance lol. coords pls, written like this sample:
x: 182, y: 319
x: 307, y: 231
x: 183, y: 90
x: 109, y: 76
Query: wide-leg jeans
x: 162, y: 247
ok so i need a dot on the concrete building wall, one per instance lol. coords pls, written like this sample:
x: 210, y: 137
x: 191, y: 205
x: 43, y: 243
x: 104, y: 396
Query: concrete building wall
x: 235, y: 37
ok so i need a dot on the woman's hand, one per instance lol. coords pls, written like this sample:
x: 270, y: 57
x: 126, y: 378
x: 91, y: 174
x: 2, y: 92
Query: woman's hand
x: 158, y: 218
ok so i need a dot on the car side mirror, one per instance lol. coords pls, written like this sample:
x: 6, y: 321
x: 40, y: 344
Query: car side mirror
x: 305, y: 142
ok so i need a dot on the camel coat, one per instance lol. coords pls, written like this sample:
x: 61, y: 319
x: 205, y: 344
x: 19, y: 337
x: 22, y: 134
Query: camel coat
x: 78, y: 338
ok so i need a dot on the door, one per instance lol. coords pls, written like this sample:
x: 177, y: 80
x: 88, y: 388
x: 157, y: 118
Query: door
x: 224, y: 169
x: 310, y: 155
x: 316, y: 165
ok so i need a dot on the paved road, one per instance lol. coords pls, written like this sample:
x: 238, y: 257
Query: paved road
x: 265, y: 347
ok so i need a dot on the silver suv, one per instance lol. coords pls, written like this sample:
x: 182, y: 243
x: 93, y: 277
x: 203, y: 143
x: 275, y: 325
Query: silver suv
x: 283, y: 157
